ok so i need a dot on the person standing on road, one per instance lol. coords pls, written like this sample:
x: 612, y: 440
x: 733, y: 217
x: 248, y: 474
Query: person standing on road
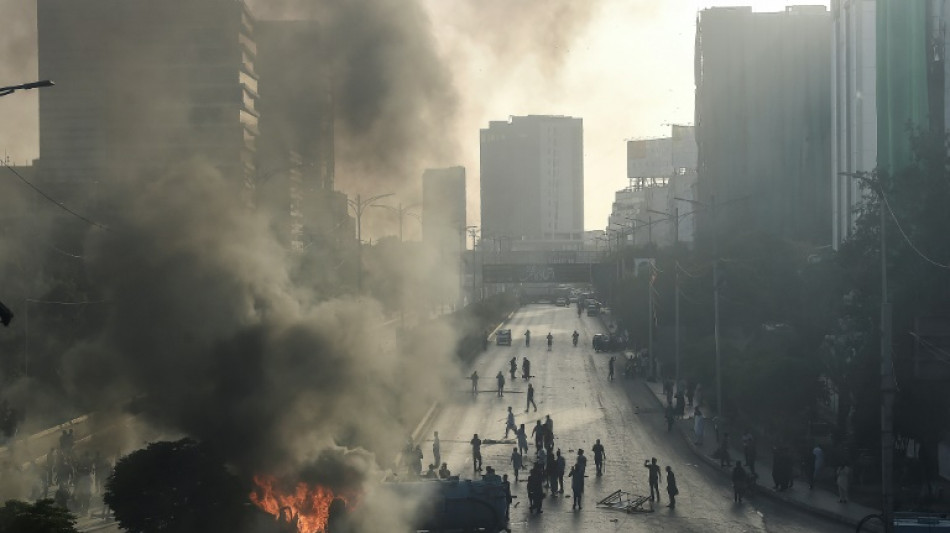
x: 577, y: 486
x: 535, y: 489
x: 739, y: 481
x: 527, y: 338
x: 525, y: 369
x: 748, y: 450
x: 671, y: 489
x: 843, y: 477
x: 723, y: 451
x: 670, y: 416
x: 508, y: 498
x: 819, y: 455
x: 522, y: 435
x: 575, y: 336
x: 512, y: 367
x: 436, y: 448
x: 538, y: 433
x: 500, y: 378
x: 610, y: 368
x: 548, y: 433
x: 550, y: 340
x: 510, y: 423
x: 561, y: 464
x: 530, y: 402
x: 474, y: 378
x: 699, y: 425
x: 599, y: 456
x: 581, y: 463
x: 654, y: 478
x: 550, y: 467
x: 476, y: 453
x: 517, y: 462
x: 690, y: 389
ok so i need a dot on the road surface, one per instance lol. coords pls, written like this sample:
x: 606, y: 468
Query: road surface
x: 571, y: 385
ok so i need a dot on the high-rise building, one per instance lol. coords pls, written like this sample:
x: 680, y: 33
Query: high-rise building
x: 532, y: 183
x: 763, y: 122
x: 295, y: 176
x: 662, y: 173
x: 141, y: 85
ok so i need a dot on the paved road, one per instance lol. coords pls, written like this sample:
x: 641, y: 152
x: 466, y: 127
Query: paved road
x: 571, y: 385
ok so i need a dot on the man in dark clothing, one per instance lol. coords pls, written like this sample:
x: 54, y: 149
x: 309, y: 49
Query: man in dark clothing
x: 610, y: 369
x: 599, y: 456
x: 548, y: 433
x: 538, y: 433
x: 530, y: 402
x: 671, y: 489
x: 476, y: 453
x: 577, y: 486
x: 654, y: 478
x: 512, y: 367
x: 525, y: 369
x: 535, y: 490
x: 517, y: 461
x: 561, y: 465
x: 508, y: 498
x: 748, y: 450
x: 522, y: 435
x: 527, y: 338
x: 474, y: 378
x: 510, y: 423
x: 670, y: 416
x: 739, y: 481
x: 500, y: 379
x: 550, y: 340
x: 581, y: 462
x: 550, y: 468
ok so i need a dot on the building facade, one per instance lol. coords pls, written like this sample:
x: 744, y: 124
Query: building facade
x: 141, y: 86
x: 532, y: 183
x: 763, y: 122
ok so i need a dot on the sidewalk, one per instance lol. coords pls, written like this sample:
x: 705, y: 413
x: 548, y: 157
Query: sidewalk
x: 817, y: 501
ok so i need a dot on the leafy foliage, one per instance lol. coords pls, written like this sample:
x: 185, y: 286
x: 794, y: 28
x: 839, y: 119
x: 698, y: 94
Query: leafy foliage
x: 39, y: 517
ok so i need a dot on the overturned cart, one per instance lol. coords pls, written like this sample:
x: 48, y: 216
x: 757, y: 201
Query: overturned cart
x: 458, y: 505
x: 626, y: 502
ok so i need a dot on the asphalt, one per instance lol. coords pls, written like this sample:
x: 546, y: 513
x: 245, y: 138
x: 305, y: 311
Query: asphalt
x: 572, y: 386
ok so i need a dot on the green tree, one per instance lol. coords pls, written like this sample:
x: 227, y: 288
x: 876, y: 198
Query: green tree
x: 176, y: 487
x: 39, y: 517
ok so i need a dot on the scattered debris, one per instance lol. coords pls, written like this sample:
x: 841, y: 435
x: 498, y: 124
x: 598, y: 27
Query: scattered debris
x: 626, y: 502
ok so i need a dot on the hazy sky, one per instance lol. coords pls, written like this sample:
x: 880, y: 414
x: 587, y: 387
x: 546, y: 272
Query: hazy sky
x: 625, y: 67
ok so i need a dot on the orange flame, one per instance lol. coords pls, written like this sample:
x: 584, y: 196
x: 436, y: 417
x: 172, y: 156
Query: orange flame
x: 308, y: 505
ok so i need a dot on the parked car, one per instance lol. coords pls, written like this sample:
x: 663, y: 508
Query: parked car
x: 593, y: 309
x: 560, y: 302
x: 603, y: 342
x: 503, y: 337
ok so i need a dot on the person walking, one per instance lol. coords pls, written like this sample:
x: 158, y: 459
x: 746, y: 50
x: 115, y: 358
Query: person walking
x: 512, y: 367
x: 671, y: 489
x: 561, y: 464
x: 538, y: 433
x: 599, y: 456
x: 436, y: 448
x: 550, y: 468
x: 550, y: 340
x: 510, y: 423
x: 610, y: 368
x: 530, y: 402
x: 739, y: 481
x: 577, y: 487
x: 548, y: 433
x: 476, y: 453
x: 843, y: 477
x: 522, y: 435
x: 500, y: 379
x: 654, y: 478
x: 517, y: 462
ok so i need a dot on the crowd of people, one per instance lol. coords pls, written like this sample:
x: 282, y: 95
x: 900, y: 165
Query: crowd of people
x: 70, y: 477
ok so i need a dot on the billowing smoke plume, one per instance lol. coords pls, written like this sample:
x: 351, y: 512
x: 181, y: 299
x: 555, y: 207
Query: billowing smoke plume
x: 207, y: 324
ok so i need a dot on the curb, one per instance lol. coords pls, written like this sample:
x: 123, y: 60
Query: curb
x: 759, y: 489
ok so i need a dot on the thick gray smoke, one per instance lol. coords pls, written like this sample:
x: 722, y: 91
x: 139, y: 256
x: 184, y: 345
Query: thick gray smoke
x: 394, y: 96
x: 206, y: 323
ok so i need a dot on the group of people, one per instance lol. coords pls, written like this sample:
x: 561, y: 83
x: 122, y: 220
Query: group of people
x: 653, y: 478
x: 69, y: 477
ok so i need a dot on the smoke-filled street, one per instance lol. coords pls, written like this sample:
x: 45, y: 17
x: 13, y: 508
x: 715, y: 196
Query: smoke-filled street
x: 572, y: 386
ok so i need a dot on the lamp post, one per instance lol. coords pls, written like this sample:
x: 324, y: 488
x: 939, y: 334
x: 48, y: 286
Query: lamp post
x: 10, y: 89
x: 359, y: 206
x: 676, y: 286
x: 400, y: 211
x: 715, y: 231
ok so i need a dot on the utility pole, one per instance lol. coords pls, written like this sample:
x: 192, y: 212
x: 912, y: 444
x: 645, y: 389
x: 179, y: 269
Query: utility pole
x: 887, y: 386
x: 715, y: 223
x: 676, y: 289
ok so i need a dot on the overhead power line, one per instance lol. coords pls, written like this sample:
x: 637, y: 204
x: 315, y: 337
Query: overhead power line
x: 51, y: 199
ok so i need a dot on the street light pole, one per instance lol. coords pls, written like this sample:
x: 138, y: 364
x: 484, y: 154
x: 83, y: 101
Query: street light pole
x: 887, y: 386
x: 676, y: 286
x: 10, y: 89
x: 712, y: 203
x: 358, y: 206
